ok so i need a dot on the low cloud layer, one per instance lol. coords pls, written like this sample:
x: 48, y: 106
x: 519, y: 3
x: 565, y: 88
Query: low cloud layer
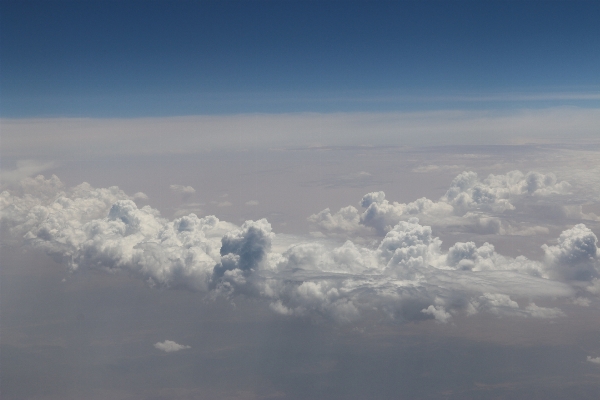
x: 390, y: 262
x: 58, y: 136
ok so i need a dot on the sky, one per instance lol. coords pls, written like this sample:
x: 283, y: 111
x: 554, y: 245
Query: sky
x: 166, y: 58
x: 285, y: 199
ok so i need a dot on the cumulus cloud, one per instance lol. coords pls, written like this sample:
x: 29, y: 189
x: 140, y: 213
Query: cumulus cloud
x: 404, y: 275
x: 502, y: 304
x: 438, y: 313
x: 140, y: 196
x: 594, y: 360
x: 243, y: 251
x: 576, y: 257
x: 86, y: 227
x: 407, y: 276
x: 170, y: 346
x: 469, y: 203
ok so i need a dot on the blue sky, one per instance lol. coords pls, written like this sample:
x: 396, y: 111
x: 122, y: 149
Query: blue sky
x: 132, y: 59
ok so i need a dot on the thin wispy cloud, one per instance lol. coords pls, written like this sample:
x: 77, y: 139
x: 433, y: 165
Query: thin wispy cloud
x: 24, y: 168
x: 185, y: 190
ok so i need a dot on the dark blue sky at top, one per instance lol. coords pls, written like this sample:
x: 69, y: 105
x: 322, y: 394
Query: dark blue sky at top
x: 144, y: 58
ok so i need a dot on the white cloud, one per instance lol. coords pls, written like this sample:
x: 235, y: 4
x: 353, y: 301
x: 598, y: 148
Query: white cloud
x: 140, y: 196
x: 404, y: 275
x: 170, y: 346
x: 594, y: 360
x: 252, y: 203
x: 469, y: 204
x: 502, y: 304
x: 576, y: 257
x: 438, y: 313
x: 103, y: 228
x: 543, y: 312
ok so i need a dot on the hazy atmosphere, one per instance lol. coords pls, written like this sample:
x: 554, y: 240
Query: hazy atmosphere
x: 300, y: 199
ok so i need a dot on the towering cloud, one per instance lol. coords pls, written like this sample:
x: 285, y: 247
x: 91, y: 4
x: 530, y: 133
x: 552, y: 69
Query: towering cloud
x: 576, y: 257
x: 242, y: 251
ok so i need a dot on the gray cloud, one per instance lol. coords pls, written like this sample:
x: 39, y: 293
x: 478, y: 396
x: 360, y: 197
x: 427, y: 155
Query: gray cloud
x: 242, y: 253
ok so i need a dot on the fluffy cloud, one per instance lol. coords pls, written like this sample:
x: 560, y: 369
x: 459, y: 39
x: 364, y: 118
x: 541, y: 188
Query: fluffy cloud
x: 467, y: 256
x: 170, y: 346
x: 438, y: 313
x: 469, y: 203
x: 576, y: 257
x: 502, y: 304
x: 405, y: 275
x: 243, y: 251
x: 85, y: 227
x: 594, y: 360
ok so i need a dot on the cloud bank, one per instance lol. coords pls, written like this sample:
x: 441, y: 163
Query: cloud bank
x: 192, y: 134
x: 391, y: 262
x: 470, y: 204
